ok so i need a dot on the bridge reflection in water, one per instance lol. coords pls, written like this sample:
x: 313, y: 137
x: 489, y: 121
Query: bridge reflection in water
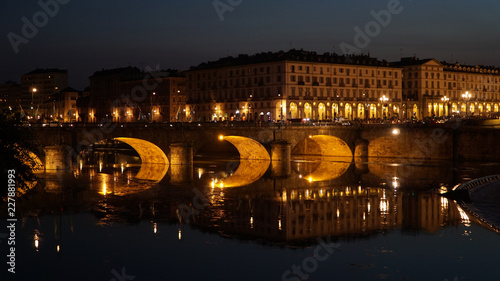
x: 321, y: 197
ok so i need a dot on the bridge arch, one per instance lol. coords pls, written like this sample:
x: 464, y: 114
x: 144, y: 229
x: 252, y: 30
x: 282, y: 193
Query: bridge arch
x: 248, y: 148
x: 324, y: 145
x: 148, y: 151
x: 154, y: 164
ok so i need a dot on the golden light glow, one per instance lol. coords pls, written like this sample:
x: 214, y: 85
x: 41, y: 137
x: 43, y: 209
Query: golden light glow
x: 248, y: 171
x: 104, y: 188
x: 328, y: 169
x: 179, y: 234
x: 221, y: 137
x: 248, y: 148
x: 384, y: 206
x: 395, y: 183
x: 36, y: 239
x: 395, y: 131
x: 332, y: 146
x: 152, y: 171
x: 148, y: 152
x: 444, y: 204
x: 464, y: 216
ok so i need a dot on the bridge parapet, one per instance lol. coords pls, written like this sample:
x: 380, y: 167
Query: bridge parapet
x: 416, y: 142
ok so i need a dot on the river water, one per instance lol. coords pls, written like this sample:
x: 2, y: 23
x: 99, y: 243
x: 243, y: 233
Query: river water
x: 315, y: 219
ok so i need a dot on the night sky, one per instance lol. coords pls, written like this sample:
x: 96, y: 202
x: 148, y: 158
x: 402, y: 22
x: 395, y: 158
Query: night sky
x: 86, y: 36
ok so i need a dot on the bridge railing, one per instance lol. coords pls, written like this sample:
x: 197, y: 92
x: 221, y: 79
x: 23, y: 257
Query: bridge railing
x: 237, y: 124
x: 241, y: 124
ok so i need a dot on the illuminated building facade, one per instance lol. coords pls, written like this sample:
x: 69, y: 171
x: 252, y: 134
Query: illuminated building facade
x: 38, y: 87
x: 433, y: 88
x: 62, y: 106
x: 164, y: 101
x: 294, y: 85
x: 131, y: 95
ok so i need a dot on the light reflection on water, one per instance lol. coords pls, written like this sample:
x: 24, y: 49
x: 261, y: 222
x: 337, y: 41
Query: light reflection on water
x: 123, y: 218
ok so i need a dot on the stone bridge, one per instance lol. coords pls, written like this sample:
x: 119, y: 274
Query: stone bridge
x: 176, y: 144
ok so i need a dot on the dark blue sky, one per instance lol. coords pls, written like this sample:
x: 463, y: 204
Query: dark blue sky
x: 85, y: 36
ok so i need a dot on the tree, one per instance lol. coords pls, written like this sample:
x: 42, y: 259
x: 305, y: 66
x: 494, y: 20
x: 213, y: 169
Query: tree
x: 18, y: 151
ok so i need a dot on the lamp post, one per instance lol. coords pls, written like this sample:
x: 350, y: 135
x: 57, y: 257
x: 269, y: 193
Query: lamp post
x: 33, y: 91
x: 383, y: 100
x: 337, y: 109
x: 366, y: 105
x: 445, y: 99
x: 466, y: 97
x: 152, y: 119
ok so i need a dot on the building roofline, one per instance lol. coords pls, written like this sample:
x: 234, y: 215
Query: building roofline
x: 47, y: 70
x: 292, y: 55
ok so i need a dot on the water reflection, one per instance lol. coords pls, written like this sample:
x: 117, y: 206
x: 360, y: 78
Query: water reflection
x: 321, y: 168
x: 321, y: 197
x: 248, y: 172
x: 153, y: 172
x: 113, y: 208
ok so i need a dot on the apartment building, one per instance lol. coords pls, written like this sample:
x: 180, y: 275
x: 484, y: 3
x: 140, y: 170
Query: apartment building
x: 38, y: 87
x: 433, y: 88
x: 294, y: 85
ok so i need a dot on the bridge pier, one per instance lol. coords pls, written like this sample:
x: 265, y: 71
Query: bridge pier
x: 181, y: 163
x: 57, y: 158
x: 360, y: 150
x: 281, y: 154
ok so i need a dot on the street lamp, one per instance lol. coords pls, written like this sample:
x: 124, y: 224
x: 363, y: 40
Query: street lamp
x: 466, y: 97
x: 445, y: 99
x: 337, y: 109
x: 152, y: 117
x: 33, y: 91
x: 365, y: 95
x: 383, y: 100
